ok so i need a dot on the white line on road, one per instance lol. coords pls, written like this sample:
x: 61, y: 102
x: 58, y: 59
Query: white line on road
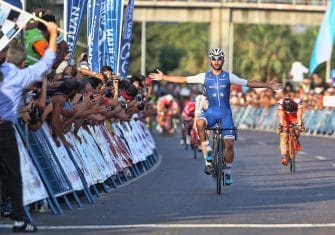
x: 260, y: 142
x: 320, y: 158
x: 302, y: 153
x: 333, y: 164
x: 127, y: 226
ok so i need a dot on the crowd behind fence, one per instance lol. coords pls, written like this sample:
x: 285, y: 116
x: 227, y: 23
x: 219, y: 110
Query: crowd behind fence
x: 318, y: 122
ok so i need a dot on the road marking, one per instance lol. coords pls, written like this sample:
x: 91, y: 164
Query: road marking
x: 128, y: 226
x: 260, y: 142
x: 320, y: 158
x: 302, y: 153
x: 333, y: 164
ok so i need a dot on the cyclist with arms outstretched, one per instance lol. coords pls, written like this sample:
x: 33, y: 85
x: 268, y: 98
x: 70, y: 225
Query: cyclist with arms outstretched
x: 217, y: 84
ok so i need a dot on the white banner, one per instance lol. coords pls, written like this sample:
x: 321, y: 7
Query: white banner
x: 65, y: 161
x: 33, y: 187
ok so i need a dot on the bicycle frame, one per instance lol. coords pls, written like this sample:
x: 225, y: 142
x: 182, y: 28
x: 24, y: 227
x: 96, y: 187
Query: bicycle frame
x: 292, y: 138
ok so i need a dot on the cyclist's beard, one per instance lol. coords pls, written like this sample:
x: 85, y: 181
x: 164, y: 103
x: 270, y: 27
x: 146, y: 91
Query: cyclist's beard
x: 217, y: 67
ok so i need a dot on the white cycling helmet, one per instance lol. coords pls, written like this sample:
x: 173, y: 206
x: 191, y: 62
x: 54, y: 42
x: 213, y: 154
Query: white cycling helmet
x: 216, y: 53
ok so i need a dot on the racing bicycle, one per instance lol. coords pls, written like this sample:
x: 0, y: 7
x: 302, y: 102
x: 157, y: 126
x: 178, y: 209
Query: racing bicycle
x: 218, y: 154
x: 293, y: 145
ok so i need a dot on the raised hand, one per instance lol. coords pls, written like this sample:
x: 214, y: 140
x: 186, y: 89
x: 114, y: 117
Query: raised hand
x: 275, y: 85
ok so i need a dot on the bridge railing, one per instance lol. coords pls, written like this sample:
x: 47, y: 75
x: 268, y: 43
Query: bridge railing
x: 290, y: 2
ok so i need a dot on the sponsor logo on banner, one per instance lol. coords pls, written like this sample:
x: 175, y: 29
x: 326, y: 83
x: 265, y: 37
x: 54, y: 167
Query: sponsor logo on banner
x: 76, y: 10
x: 126, y: 39
x: 11, y: 23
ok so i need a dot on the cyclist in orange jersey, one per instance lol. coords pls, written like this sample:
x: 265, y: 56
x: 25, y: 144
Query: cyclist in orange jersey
x: 290, y: 111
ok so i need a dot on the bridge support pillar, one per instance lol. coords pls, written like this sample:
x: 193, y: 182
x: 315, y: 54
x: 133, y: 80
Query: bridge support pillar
x: 220, y: 33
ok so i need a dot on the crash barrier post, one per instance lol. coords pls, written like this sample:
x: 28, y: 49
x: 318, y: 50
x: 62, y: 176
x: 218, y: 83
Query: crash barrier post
x: 317, y: 122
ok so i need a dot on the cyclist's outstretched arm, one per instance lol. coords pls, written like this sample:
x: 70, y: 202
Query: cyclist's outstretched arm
x: 273, y: 84
x: 160, y: 76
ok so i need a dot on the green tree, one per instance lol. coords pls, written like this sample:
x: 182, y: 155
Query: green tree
x: 31, y: 5
x: 262, y: 52
x: 186, y: 43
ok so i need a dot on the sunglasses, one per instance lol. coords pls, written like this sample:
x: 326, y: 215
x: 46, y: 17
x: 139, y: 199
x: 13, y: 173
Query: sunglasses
x: 216, y: 58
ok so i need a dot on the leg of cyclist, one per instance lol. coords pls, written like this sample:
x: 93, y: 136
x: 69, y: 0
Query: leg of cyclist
x: 182, y: 131
x: 283, y: 147
x: 201, y: 124
x: 228, y: 155
x: 188, y: 129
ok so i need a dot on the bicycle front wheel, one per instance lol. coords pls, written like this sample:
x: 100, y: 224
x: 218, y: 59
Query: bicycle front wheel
x: 219, y: 167
x: 291, y: 149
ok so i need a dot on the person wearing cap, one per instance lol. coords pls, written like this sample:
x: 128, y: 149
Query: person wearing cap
x: 217, y: 88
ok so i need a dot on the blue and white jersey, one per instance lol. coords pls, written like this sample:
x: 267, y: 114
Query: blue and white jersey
x: 218, y: 94
x: 217, y: 87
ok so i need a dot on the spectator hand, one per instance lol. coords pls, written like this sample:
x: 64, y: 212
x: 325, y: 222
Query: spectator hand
x: 274, y: 85
x: 52, y: 27
x: 25, y: 117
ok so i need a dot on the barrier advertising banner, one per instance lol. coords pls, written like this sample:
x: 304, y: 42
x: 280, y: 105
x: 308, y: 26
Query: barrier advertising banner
x: 33, y: 187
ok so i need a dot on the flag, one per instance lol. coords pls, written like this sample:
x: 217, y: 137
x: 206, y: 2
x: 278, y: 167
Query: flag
x: 93, y: 32
x: 114, y: 10
x: 75, y: 13
x: 324, y: 43
x: 12, y: 20
x: 126, y: 39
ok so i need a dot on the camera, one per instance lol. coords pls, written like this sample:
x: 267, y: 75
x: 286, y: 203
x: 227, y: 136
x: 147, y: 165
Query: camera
x: 139, y: 98
x: 85, y: 57
x: 110, y: 83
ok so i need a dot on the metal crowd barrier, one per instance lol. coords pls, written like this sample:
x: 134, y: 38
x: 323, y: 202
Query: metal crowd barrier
x: 100, y: 160
x: 317, y: 122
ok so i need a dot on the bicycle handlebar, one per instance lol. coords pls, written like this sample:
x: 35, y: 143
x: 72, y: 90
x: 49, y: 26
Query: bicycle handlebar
x: 221, y: 129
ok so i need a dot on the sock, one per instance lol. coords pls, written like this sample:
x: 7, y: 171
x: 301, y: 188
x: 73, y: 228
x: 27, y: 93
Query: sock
x: 18, y: 223
x: 228, y: 168
x: 207, y: 163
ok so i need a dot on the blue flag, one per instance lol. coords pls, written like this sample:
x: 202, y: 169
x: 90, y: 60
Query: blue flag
x: 93, y: 33
x: 324, y: 43
x: 76, y: 10
x: 114, y: 9
x: 126, y: 39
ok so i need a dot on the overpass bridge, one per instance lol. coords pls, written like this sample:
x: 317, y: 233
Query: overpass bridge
x: 222, y: 15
